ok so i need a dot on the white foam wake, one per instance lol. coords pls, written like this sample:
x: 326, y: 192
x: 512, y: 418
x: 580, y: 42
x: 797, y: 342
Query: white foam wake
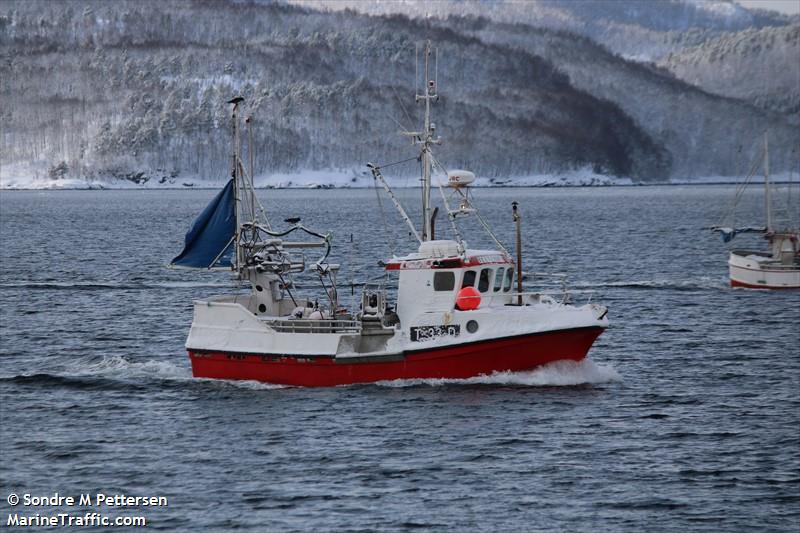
x: 558, y: 373
x: 247, y: 384
x: 120, y: 367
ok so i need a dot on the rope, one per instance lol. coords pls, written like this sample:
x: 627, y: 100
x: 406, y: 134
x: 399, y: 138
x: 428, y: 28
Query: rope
x: 402, y: 106
x: 330, y: 294
x: 790, y: 197
x: 477, y: 214
x: 383, y: 218
x: 286, y: 287
x: 263, y: 211
x: 489, y: 231
x: 452, y: 220
x: 397, y: 162
x: 402, y: 128
x: 740, y: 189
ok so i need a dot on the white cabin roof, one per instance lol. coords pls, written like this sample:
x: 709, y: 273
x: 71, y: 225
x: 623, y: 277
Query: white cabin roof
x: 445, y: 254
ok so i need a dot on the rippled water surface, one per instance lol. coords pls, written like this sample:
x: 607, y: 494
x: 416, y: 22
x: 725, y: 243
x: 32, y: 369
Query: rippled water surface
x: 686, y: 416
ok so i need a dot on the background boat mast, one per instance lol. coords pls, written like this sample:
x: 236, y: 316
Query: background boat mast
x: 767, y: 192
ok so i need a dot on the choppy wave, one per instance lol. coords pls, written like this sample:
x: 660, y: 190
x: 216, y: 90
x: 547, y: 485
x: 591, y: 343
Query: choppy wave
x: 117, y: 371
x: 106, y: 285
x: 556, y: 374
x: 703, y: 283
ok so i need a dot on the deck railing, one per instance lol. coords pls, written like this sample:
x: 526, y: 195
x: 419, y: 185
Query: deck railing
x: 303, y: 325
x: 563, y: 297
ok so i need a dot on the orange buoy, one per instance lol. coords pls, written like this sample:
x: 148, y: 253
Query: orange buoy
x: 468, y: 299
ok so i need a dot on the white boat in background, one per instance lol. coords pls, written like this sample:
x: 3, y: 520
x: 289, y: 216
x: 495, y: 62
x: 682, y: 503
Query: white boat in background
x: 779, y: 266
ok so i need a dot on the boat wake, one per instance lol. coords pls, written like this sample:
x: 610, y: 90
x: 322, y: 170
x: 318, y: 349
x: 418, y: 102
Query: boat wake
x: 109, y: 367
x: 119, y: 372
x: 120, y: 367
x: 556, y: 374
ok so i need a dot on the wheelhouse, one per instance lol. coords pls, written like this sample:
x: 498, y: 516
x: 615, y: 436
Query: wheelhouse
x: 430, y: 280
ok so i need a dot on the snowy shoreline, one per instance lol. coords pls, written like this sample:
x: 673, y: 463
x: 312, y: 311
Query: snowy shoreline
x: 338, y: 179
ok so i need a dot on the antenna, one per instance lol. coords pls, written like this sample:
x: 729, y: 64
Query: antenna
x: 416, y: 68
x: 236, y: 175
x: 250, y: 157
x: 426, y: 138
x: 436, y: 69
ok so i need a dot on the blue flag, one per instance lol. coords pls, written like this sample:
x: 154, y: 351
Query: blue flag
x: 211, y: 235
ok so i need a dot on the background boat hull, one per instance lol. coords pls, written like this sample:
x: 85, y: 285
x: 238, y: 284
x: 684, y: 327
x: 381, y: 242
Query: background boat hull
x: 748, y: 273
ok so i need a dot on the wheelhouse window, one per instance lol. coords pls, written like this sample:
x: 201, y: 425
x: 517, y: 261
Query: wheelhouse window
x: 444, y: 281
x: 509, y: 280
x: 469, y: 279
x: 483, y: 281
x: 498, y: 279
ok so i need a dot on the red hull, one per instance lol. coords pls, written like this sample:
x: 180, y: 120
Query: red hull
x: 462, y: 361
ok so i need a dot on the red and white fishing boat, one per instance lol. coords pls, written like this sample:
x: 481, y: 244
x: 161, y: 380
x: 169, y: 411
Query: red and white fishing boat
x: 456, y: 315
x: 776, y: 268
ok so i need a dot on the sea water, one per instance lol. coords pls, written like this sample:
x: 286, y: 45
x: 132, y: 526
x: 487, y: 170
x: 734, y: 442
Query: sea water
x: 685, y: 416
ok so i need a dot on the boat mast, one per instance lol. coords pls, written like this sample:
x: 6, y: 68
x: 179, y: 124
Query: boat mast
x: 426, y: 139
x: 249, y: 123
x: 767, y: 192
x: 235, y: 174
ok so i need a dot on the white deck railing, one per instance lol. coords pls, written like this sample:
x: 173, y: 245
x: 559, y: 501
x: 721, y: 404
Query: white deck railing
x: 303, y: 325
